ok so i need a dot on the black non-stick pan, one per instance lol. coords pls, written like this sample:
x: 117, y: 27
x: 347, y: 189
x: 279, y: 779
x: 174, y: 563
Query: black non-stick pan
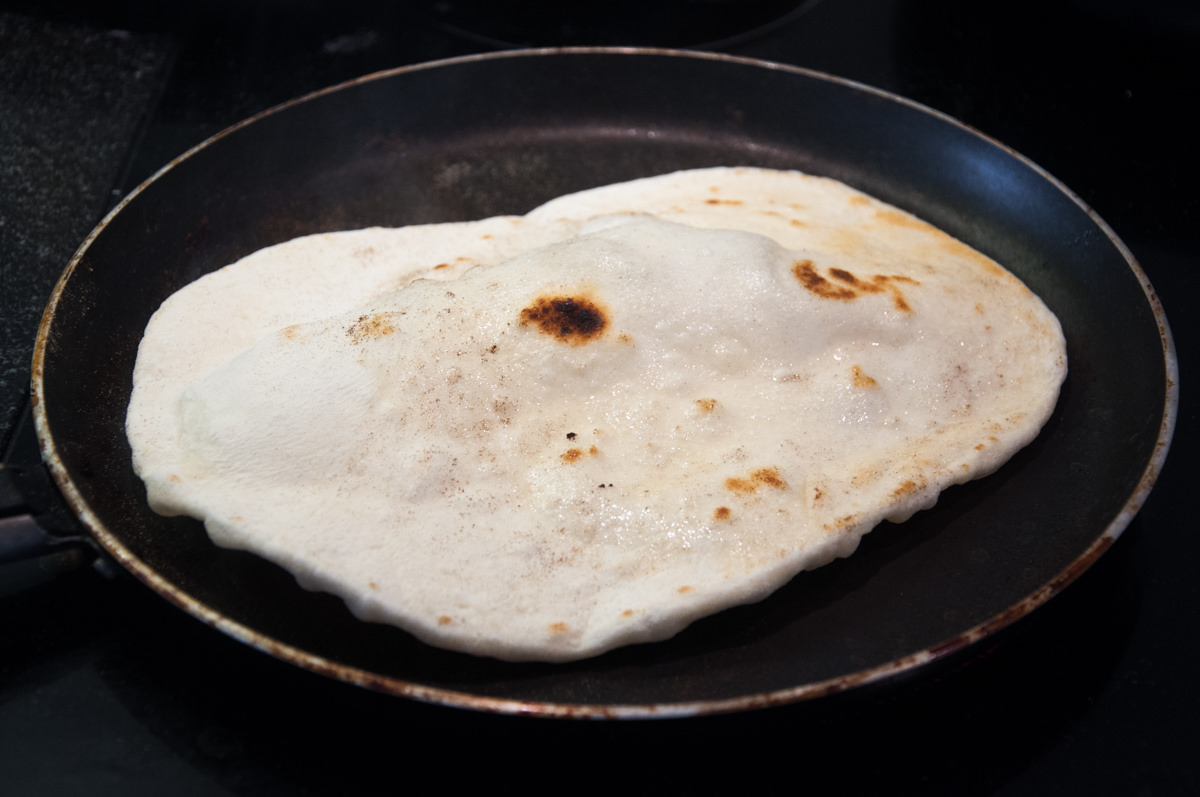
x: 480, y: 136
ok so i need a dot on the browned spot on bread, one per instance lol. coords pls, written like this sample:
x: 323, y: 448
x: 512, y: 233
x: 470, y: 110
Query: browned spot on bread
x: 291, y: 332
x: 441, y: 265
x: 847, y: 277
x: 843, y: 522
x: 763, y: 477
x: 574, y: 320
x: 848, y: 286
x: 559, y: 628
x: 684, y: 589
x: 627, y: 613
x: 906, y: 488
x: 722, y: 201
x: 957, y: 248
x: 572, y: 455
x: 366, y: 327
x: 861, y: 379
x: 706, y: 404
x: 806, y: 272
x: 897, y: 219
x: 722, y: 513
x: 898, y: 299
x: 445, y: 620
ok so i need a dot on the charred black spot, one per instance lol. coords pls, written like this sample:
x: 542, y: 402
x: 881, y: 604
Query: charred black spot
x: 570, y: 319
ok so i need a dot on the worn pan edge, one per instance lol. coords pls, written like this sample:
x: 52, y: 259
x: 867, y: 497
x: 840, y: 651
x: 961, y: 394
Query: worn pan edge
x: 78, y: 504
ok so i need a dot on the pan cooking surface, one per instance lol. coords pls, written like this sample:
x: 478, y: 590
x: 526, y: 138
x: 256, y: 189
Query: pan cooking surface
x: 495, y: 134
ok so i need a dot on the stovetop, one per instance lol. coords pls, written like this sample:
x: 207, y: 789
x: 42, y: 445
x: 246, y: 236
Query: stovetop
x: 104, y: 688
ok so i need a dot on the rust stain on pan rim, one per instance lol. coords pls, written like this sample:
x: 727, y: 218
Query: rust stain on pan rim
x: 802, y: 692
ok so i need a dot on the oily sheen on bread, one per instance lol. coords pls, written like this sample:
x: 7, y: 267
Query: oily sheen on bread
x: 543, y: 437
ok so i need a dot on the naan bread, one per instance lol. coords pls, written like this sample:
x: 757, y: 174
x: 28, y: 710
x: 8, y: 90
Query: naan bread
x: 543, y: 437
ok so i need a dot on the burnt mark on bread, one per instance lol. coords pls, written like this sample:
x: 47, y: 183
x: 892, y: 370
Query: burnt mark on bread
x: 762, y: 477
x: 370, y: 326
x: 572, y: 455
x: 845, y: 286
x: 860, y: 379
x: 806, y: 272
x: 570, y: 319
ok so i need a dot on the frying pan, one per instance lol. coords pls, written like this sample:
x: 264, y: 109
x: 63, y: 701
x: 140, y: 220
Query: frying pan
x: 485, y: 135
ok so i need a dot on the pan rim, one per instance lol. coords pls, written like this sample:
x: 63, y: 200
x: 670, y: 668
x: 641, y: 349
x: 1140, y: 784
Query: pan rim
x: 354, y: 675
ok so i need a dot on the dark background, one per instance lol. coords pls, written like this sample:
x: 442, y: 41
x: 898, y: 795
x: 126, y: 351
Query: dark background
x: 104, y: 688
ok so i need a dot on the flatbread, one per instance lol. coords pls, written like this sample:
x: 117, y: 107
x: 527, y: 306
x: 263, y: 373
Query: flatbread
x: 543, y: 437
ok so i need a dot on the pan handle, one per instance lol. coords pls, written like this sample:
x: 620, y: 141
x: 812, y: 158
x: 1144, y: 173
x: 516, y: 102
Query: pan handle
x: 22, y: 538
x: 34, y: 520
x: 30, y: 555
